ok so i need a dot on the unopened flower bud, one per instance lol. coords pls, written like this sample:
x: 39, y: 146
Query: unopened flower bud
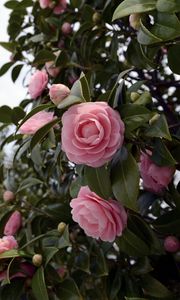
x: 66, y: 28
x: 96, y: 18
x: 52, y: 69
x: 134, y: 96
x: 61, y: 227
x: 13, y: 224
x: 8, y: 196
x: 171, y: 244
x: 134, y: 21
x: 58, y: 92
x: 37, y: 260
x: 154, y: 119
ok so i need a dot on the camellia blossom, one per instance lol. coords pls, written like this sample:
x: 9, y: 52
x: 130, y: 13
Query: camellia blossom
x: 58, y: 92
x: 97, y: 217
x: 44, y: 3
x: 92, y: 133
x: 66, y: 28
x: 13, y: 224
x: 38, y: 83
x: 155, y: 178
x: 7, y: 243
x: 8, y: 196
x: 51, y: 69
x: 36, y: 122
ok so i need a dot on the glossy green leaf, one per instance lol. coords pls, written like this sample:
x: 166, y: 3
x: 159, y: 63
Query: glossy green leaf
x: 68, y: 290
x: 5, y: 114
x: 82, y: 261
x: 16, y: 71
x: 159, y: 128
x: 170, y: 6
x: 134, y: 116
x: 161, y: 155
x: 12, y: 253
x: 128, y: 7
x: 10, y: 46
x: 85, y: 90
x: 44, y: 56
x: 5, y: 68
x: 174, y: 58
x: 169, y: 223
x: 68, y: 101
x: 146, y: 37
x: 17, y: 114
x: 39, y: 286
x: 125, y: 180
x: 154, y: 288
x: 98, y: 180
x: 132, y: 245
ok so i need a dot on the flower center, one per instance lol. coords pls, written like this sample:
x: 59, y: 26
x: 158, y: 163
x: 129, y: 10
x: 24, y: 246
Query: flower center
x: 89, y: 129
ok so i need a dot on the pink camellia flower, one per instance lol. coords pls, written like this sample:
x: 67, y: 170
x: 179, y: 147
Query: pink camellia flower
x: 171, y: 244
x: 36, y: 122
x: 13, y: 224
x: 66, y: 28
x: 60, y: 8
x: 92, y: 133
x: 97, y: 217
x: 51, y: 69
x: 58, y: 92
x: 38, y: 83
x: 7, y: 243
x: 155, y: 178
x: 8, y: 196
x: 44, y: 3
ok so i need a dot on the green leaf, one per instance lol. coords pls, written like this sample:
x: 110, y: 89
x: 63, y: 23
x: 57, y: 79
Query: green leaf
x: 68, y: 101
x: 39, y: 285
x: 174, y: 58
x: 161, y: 155
x: 134, y: 116
x: 44, y: 56
x: 5, y: 114
x: 42, y: 132
x: 10, y: 46
x: 5, y: 68
x: 85, y: 90
x: 34, y: 111
x: 141, y: 267
x: 62, y: 59
x: 154, y: 288
x: 17, y: 114
x: 132, y: 245
x: 98, y: 264
x: 125, y: 180
x: 146, y: 37
x: 82, y: 261
x: 98, y: 180
x: 68, y: 290
x: 28, y: 182
x: 128, y: 7
x: 13, y: 253
x: 170, y: 6
x: 169, y: 223
x: 159, y: 129
x: 127, y: 298
x: 16, y: 71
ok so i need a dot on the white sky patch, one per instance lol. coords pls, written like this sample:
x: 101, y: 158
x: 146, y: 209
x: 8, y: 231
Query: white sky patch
x: 10, y: 93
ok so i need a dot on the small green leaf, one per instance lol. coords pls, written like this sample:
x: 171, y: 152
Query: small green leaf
x: 168, y: 223
x: 44, y: 56
x: 98, y: 180
x: 12, y: 253
x: 146, y: 37
x: 62, y: 59
x: 68, y: 101
x: 39, y: 286
x: 159, y: 129
x: 5, y: 68
x: 85, y: 90
x: 68, y: 290
x: 16, y: 71
x: 17, y: 114
x: 128, y: 7
x: 5, y: 114
x: 125, y: 180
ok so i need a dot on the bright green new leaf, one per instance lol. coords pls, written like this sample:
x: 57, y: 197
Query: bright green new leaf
x: 39, y: 286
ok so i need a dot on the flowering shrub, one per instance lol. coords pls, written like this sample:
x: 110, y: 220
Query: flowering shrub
x: 90, y: 198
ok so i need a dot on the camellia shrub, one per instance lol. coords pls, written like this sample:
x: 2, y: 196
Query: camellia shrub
x: 90, y: 200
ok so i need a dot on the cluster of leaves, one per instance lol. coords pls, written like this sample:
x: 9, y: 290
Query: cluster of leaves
x: 129, y: 69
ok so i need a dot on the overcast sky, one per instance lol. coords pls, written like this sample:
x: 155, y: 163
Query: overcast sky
x: 10, y: 93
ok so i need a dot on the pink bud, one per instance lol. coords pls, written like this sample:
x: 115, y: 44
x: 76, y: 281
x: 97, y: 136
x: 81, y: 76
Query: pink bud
x: 58, y: 92
x: 171, y: 244
x: 66, y: 28
x: 13, y: 224
x: 8, y: 196
x: 51, y: 69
